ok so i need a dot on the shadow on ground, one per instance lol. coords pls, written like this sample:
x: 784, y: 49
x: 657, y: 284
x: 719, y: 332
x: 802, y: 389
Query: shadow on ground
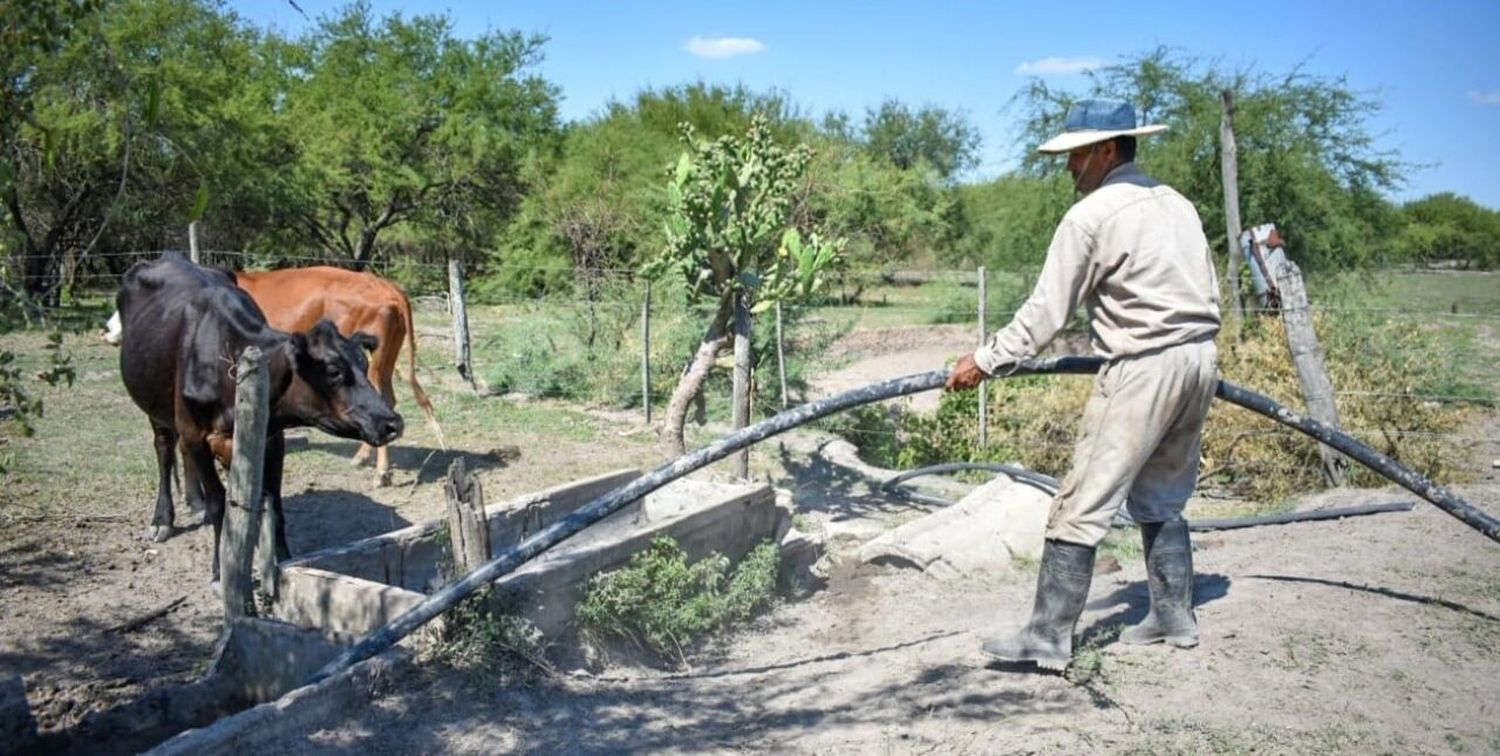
x: 819, y: 485
x: 429, y: 464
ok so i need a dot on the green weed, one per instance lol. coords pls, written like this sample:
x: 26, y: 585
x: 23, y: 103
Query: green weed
x: 663, y: 604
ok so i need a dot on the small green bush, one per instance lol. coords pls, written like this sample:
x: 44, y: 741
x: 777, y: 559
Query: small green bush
x: 662, y: 603
x: 482, y: 635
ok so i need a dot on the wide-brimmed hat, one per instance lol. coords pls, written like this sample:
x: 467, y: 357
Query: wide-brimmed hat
x: 1090, y: 121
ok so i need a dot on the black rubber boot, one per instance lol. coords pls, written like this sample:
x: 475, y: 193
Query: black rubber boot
x: 1062, y: 586
x: 1169, y: 572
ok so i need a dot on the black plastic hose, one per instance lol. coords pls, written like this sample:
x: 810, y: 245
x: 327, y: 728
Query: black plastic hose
x: 382, y: 639
x: 1049, y: 485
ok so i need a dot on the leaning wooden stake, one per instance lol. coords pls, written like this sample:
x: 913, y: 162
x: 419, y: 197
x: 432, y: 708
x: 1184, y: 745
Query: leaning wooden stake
x: 242, y: 513
x: 1307, y: 354
x: 467, y: 530
x: 1229, y: 166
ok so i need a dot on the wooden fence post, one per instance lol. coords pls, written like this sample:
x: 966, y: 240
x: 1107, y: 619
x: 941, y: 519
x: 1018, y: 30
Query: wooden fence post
x: 984, y: 393
x: 742, y: 359
x: 1229, y: 166
x: 1307, y: 354
x: 646, y: 352
x: 460, y: 313
x: 242, y: 513
x: 781, y: 356
x: 468, y: 532
x: 193, y: 243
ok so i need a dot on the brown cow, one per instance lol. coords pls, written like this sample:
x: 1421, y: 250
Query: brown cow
x: 294, y: 299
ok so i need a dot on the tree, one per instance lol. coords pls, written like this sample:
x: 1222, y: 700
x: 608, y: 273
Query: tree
x: 942, y: 141
x: 598, y: 201
x: 887, y: 214
x: 399, y: 120
x: 1307, y: 160
x: 121, y: 124
x: 728, y: 233
x: 1446, y: 226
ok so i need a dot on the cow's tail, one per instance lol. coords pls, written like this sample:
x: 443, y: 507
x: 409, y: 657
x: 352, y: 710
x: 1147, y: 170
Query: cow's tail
x: 416, y: 388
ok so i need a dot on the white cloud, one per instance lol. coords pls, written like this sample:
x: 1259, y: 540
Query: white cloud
x: 723, y: 47
x: 1491, y: 97
x: 1055, y: 66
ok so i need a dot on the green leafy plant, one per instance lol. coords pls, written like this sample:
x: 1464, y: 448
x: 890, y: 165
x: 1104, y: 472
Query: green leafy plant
x: 662, y: 603
x: 18, y: 407
x: 729, y: 234
x: 483, y: 635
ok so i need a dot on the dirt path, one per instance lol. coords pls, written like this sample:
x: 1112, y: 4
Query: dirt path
x: 1369, y: 635
x: 1379, y: 634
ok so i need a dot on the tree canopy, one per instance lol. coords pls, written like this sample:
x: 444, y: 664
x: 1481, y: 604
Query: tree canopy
x: 389, y: 136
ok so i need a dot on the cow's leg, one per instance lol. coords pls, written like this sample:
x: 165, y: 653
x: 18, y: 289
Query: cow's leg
x: 198, y: 461
x: 391, y: 336
x: 271, y: 484
x: 192, y: 481
x: 165, y: 439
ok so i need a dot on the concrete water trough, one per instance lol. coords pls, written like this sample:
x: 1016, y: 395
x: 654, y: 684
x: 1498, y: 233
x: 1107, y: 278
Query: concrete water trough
x: 256, y: 685
x: 360, y: 587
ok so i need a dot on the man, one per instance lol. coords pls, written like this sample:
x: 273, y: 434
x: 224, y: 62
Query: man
x: 1134, y: 252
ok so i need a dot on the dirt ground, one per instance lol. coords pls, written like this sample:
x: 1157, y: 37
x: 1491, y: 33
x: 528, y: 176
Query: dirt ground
x: 1368, y: 635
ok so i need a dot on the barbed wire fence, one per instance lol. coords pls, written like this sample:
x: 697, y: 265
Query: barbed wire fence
x: 979, y: 298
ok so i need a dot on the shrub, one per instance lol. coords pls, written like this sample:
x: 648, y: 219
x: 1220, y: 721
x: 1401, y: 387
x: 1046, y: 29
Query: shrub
x: 1379, y: 367
x: 662, y: 603
x: 483, y: 636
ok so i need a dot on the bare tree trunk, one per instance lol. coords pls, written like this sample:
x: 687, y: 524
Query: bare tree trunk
x: 364, y: 251
x: 742, y: 360
x: 672, y: 441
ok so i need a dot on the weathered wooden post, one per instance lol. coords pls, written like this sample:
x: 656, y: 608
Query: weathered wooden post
x: 1307, y: 354
x: 468, y: 531
x: 193, y: 243
x: 242, y: 513
x: 1229, y: 165
x: 646, y: 352
x: 984, y: 393
x: 460, y: 313
x: 741, y: 379
x: 781, y: 356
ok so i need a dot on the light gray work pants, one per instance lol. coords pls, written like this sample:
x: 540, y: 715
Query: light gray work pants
x: 1139, y: 442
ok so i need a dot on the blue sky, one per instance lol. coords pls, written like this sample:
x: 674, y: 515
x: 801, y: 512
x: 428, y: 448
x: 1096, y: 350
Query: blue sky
x: 1434, y: 65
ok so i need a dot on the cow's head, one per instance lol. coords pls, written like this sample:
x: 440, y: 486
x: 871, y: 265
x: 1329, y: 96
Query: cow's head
x: 331, y: 390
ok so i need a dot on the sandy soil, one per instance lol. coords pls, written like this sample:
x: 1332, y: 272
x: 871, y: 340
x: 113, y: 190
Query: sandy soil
x: 1376, y: 634
x: 1370, y: 635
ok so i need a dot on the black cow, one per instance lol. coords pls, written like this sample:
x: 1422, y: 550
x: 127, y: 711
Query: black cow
x: 185, y: 327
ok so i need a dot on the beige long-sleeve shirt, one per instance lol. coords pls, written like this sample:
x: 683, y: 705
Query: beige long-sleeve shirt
x: 1134, y: 252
